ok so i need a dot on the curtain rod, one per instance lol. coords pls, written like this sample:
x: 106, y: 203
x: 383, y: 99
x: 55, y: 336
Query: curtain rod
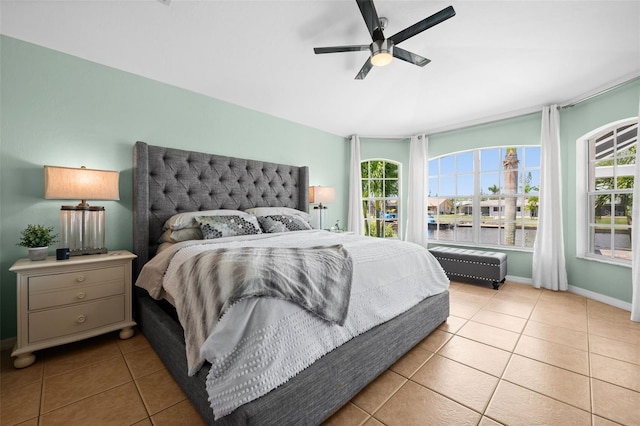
x: 517, y: 114
x: 600, y: 91
x: 381, y: 137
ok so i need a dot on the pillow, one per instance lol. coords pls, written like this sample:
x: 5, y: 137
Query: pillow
x: 188, y: 219
x: 282, y: 223
x: 180, y: 235
x: 163, y: 246
x: 228, y: 226
x: 270, y: 211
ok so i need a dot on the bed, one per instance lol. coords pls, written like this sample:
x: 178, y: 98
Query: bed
x: 169, y: 181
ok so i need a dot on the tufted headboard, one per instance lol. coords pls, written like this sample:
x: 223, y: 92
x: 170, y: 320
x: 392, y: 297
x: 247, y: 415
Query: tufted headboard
x: 167, y: 181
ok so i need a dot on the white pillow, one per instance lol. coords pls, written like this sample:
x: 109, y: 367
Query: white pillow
x: 180, y: 235
x: 275, y: 211
x: 188, y: 219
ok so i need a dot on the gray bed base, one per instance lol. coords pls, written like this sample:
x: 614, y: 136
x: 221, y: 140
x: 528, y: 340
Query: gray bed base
x: 315, y: 393
x: 168, y: 181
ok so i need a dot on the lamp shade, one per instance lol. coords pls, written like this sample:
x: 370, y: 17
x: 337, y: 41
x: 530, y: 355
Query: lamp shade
x: 322, y: 194
x: 67, y: 183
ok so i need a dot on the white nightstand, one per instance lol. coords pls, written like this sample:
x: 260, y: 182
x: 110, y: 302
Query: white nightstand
x: 62, y: 301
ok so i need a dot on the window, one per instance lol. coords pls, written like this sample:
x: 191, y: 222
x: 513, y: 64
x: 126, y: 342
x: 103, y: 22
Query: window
x: 485, y: 197
x: 381, y: 198
x: 610, y: 162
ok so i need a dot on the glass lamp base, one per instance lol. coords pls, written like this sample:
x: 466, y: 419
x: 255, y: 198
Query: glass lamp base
x: 82, y: 229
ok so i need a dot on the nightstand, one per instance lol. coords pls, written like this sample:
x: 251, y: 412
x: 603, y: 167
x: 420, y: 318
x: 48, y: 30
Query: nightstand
x: 62, y: 301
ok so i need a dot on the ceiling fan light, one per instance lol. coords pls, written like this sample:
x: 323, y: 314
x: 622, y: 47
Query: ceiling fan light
x: 381, y: 53
x: 381, y: 59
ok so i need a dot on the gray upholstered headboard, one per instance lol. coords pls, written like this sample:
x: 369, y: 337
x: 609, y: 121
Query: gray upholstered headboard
x: 167, y: 181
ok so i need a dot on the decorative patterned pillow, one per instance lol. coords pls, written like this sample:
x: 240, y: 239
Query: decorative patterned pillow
x: 228, y: 226
x: 282, y: 223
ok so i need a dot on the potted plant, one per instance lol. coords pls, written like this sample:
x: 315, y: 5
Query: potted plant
x: 37, y: 239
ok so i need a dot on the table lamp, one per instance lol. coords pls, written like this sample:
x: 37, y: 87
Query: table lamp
x: 320, y: 195
x: 82, y: 227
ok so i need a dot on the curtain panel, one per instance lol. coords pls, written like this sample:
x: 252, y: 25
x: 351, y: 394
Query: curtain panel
x: 355, y: 219
x: 549, y: 270
x: 417, y: 198
x: 635, y: 238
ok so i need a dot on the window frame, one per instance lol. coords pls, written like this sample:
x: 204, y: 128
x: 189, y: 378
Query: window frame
x: 478, y: 196
x: 398, y: 199
x: 583, y: 232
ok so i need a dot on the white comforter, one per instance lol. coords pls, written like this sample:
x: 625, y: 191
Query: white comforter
x: 261, y: 343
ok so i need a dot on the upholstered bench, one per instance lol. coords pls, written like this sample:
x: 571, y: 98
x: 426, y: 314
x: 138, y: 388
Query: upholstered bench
x: 476, y: 264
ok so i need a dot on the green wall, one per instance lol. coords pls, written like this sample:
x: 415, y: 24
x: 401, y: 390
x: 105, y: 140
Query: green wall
x: 599, y: 277
x: 61, y: 110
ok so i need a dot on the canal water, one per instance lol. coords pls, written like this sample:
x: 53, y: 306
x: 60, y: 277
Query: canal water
x: 492, y: 235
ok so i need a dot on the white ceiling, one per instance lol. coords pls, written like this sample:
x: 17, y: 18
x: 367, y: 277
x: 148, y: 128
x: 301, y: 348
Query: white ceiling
x: 494, y: 58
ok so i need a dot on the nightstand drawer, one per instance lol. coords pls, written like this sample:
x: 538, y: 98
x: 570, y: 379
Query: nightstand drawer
x: 73, y: 279
x: 53, y: 323
x: 67, y: 296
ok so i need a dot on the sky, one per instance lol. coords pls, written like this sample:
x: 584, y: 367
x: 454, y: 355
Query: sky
x: 456, y: 171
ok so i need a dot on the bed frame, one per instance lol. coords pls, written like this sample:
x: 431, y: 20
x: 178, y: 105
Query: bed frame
x: 169, y: 181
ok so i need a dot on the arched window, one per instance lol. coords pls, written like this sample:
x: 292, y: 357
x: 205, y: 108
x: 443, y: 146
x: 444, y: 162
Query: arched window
x: 381, y: 198
x: 485, y: 197
x: 606, y: 161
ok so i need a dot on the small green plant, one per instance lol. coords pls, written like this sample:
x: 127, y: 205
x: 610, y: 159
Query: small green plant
x: 37, y: 236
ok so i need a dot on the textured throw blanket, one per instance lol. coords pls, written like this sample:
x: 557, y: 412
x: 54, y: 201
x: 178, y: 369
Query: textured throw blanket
x: 316, y: 278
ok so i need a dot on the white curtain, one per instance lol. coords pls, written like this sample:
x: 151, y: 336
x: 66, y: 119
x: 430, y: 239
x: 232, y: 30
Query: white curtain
x: 355, y: 221
x: 635, y: 240
x: 549, y: 270
x: 417, y: 199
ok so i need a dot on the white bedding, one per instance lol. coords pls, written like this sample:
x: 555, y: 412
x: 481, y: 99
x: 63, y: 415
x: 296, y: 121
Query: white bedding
x: 261, y: 343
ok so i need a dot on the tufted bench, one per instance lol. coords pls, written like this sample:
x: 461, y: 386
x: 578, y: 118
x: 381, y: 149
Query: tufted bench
x: 480, y: 265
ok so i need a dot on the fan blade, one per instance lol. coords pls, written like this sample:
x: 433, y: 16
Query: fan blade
x: 410, y: 57
x: 425, y: 24
x: 337, y: 49
x: 364, y: 70
x: 371, y: 19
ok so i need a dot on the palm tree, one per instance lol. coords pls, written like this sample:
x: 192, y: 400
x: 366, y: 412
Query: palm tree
x: 510, y: 187
x: 494, y: 189
x: 533, y: 200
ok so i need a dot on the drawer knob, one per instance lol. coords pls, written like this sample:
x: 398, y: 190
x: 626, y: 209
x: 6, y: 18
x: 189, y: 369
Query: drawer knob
x: 81, y: 295
x: 81, y: 319
x: 80, y: 278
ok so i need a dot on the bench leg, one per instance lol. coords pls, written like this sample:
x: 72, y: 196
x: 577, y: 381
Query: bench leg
x: 496, y: 284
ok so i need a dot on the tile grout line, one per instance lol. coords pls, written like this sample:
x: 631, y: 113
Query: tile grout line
x: 467, y: 320
x: 591, y: 395
x: 40, y: 414
x: 501, y: 378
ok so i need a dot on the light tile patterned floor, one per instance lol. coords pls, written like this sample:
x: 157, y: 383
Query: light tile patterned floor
x: 515, y: 356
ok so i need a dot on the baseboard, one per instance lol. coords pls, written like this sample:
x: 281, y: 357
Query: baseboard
x: 6, y: 344
x: 519, y: 280
x: 580, y: 291
x: 601, y: 298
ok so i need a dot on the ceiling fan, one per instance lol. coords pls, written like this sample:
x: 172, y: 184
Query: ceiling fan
x: 382, y: 50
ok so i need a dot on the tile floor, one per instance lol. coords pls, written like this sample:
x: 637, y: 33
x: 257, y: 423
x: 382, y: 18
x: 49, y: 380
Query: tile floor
x: 517, y: 356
